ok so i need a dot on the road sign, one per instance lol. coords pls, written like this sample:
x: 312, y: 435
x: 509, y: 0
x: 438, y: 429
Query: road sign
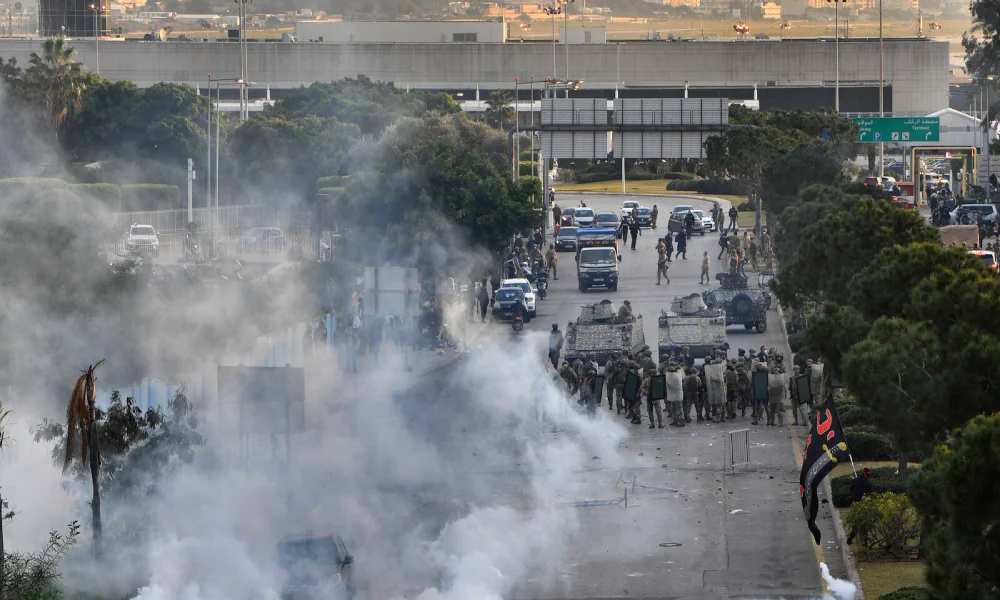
x: 918, y: 129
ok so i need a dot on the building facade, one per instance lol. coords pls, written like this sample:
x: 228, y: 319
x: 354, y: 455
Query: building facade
x: 771, y: 10
x: 405, y: 32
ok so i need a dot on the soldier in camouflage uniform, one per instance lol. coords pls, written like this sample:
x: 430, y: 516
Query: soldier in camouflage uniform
x: 776, y: 398
x: 610, y: 371
x: 759, y: 404
x: 578, y: 367
x: 652, y: 406
x: 675, y: 394
x: 732, y: 381
x: 569, y: 376
x: 636, y: 407
x: 621, y: 373
x: 742, y: 386
x: 793, y: 394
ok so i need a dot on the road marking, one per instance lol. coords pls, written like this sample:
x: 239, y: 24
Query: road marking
x: 816, y: 547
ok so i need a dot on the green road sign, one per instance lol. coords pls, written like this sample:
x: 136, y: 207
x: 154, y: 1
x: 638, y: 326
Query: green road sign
x: 899, y: 129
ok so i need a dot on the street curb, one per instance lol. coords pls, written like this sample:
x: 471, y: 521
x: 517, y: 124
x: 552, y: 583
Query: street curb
x: 838, y: 525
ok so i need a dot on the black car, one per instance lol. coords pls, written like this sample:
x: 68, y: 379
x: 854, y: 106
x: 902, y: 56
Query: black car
x: 316, y: 567
x: 644, y: 216
x: 506, y: 298
x: 566, y: 239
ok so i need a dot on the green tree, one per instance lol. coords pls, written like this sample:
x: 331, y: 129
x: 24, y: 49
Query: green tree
x: 834, y: 248
x: 983, y: 55
x: 57, y: 79
x: 794, y: 169
x: 815, y: 203
x: 743, y: 155
x: 955, y: 493
x: 834, y: 330
x: 499, y: 108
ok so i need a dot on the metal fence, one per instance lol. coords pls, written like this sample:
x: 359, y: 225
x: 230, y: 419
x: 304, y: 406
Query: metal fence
x: 226, y: 217
x: 294, y: 245
x: 739, y: 448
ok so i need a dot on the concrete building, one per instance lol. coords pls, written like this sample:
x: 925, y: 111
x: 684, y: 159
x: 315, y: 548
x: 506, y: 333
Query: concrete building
x: 958, y: 129
x: 404, y: 32
x: 787, y: 73
x: 692, y: 3
x: 913, y: 5
x: 584, y: 35
x: 771, y: 10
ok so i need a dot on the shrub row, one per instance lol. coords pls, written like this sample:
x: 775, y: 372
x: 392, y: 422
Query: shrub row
x: 107, y: 193
x: 677, y: 175
x: 702, y: 186
x: 884, y: 479
x: 912, y: 592
x: 133, y: 197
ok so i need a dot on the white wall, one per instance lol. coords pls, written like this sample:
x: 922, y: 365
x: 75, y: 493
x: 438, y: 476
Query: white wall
x: 410, y: 32
x: 579, y: 35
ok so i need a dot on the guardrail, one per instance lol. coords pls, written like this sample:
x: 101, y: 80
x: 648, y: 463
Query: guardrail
x: 226, y: 217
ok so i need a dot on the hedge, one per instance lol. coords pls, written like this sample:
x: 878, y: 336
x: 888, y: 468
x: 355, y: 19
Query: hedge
x: 526, y: 155
x: 331, y: 181
x: 526, y: 166
x: 797, y: 341
x: 865, y: 443
x: 150, y: 196
x: 677, y: 175
x: 854, y: 414
x: 884, y: 479
x: 912, y: 592
x: 108, y: 193
x: 702, y: 186
x: 746, y: 207
x: 329, y: 191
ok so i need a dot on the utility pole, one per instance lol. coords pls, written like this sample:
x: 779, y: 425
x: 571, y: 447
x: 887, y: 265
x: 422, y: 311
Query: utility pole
x: 881, y: 90
x: 836, y: 34
x: 191, y: 176
x: 208, y: 160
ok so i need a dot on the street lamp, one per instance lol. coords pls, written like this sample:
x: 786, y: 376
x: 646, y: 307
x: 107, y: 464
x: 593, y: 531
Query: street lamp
x: 552, y: 11
x: 836, y: 30
x: 97, y: 36
x: 244, y: 97
x: 881, y: 90
x: 218, y: 142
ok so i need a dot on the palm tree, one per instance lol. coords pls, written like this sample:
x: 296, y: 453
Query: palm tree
x: 57, y: 78
x: 81, y: 418
x: 499, y: 108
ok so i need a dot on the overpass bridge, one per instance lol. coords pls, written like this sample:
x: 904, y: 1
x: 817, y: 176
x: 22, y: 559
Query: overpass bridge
x: 784, y: 73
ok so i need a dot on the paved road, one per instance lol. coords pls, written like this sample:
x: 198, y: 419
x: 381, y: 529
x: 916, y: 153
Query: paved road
x: 764, y: 549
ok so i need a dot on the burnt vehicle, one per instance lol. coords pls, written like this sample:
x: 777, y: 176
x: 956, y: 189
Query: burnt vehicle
x: 316, y: 567
x: 598, y: 332
x: 743, y: 305
x: 690, y: 322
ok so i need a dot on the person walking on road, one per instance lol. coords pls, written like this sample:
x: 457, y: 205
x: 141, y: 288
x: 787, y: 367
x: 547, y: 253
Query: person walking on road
x: 723, y: 245
x: 652, y: 406
x: 652, y: 217
x: 555, y: 345
x: 681, y: 245
x: 636, y: 232
x: 689, y: 223
x: 733, y: 217
x: 706, y: 264
x: 556, y: 214
x: 661, y: 263
x: 551, y: 261
x: 669, y: 243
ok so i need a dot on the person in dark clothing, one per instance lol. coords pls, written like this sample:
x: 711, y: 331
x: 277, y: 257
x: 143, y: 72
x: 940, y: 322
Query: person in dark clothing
x: 682, y: 245
x: 669, y: 243
x: 483, y: 297
x: 689, y: 223
x: 734, y: 216
x: 861, y: 486
x: 634, y: 228
x: 723, y: 245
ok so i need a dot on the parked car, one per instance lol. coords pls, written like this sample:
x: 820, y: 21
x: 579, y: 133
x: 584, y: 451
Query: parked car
x: 988, y: 258
x: 569, y: 212
x: 566, y: 239
x: 707, y: 222
x: 529, y: 293
x: 506, y: 298
x: 682, y: 208
x: 627, y: 207
x: 645, y: 217
x: 606, y: 219
x: 584, y: 217
x: 677, y: 223
x: 142, y: 239
x: 969, y: 214
x: 262, y: 240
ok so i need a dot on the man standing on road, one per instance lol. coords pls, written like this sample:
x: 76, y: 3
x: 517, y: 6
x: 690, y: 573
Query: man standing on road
x: 634, y: 227
x: 569, y: 376
x: 689, y: 223
x: 551, y: 260
x: 682, y: 245
x: 793, y: 394
x: 621, y: 373
x: 733, y: 217
x: 668, y: 241
x: 652, y: 406
x: 721, y: 222
x: 706, y: 264
x: 652, y: 217
x: 587, y: 396
x: 556, y: 214
x: 555, y: 345
x: 692, y: 385
x: 610, y: 370
x: 483, y: 297
x: 661, y: 262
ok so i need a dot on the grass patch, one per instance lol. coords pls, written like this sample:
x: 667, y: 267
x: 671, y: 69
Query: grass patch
x: 879, y: 578
x: 845, y: 468
x: 747, y: 219
x: 649, y: 186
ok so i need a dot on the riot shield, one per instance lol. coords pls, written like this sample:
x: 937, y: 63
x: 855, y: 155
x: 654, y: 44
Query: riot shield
x: 715, y: 383
x: 658, y: 387
x: 632, y: 383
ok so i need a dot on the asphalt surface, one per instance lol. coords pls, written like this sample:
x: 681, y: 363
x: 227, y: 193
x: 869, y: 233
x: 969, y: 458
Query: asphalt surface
x: 691, y: 527
x: 738, y: 533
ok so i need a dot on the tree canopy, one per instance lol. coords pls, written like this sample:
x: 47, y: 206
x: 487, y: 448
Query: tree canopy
x: 955, y: 492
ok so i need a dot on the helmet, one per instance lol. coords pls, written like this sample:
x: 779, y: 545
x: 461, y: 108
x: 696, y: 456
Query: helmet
x: 555, y: 326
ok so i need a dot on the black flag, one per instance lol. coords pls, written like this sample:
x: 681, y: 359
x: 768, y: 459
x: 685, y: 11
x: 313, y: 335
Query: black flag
x: 826, y: 447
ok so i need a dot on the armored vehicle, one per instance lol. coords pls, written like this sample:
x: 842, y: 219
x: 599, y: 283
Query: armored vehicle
x: 744, y: 305
x: 597, y: 331
x: 690, y: 322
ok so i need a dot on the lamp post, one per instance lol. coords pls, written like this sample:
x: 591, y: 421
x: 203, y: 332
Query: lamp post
x: 881, y: 90
x: 96, y: 7
x: 208, y: 162
x: 517, y: 134
x: 532, y: 112
x: 566, y: 33
x: 244, y: 97
x: 552, y: 11
x: 836, y: 34
x: 218, y: 143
